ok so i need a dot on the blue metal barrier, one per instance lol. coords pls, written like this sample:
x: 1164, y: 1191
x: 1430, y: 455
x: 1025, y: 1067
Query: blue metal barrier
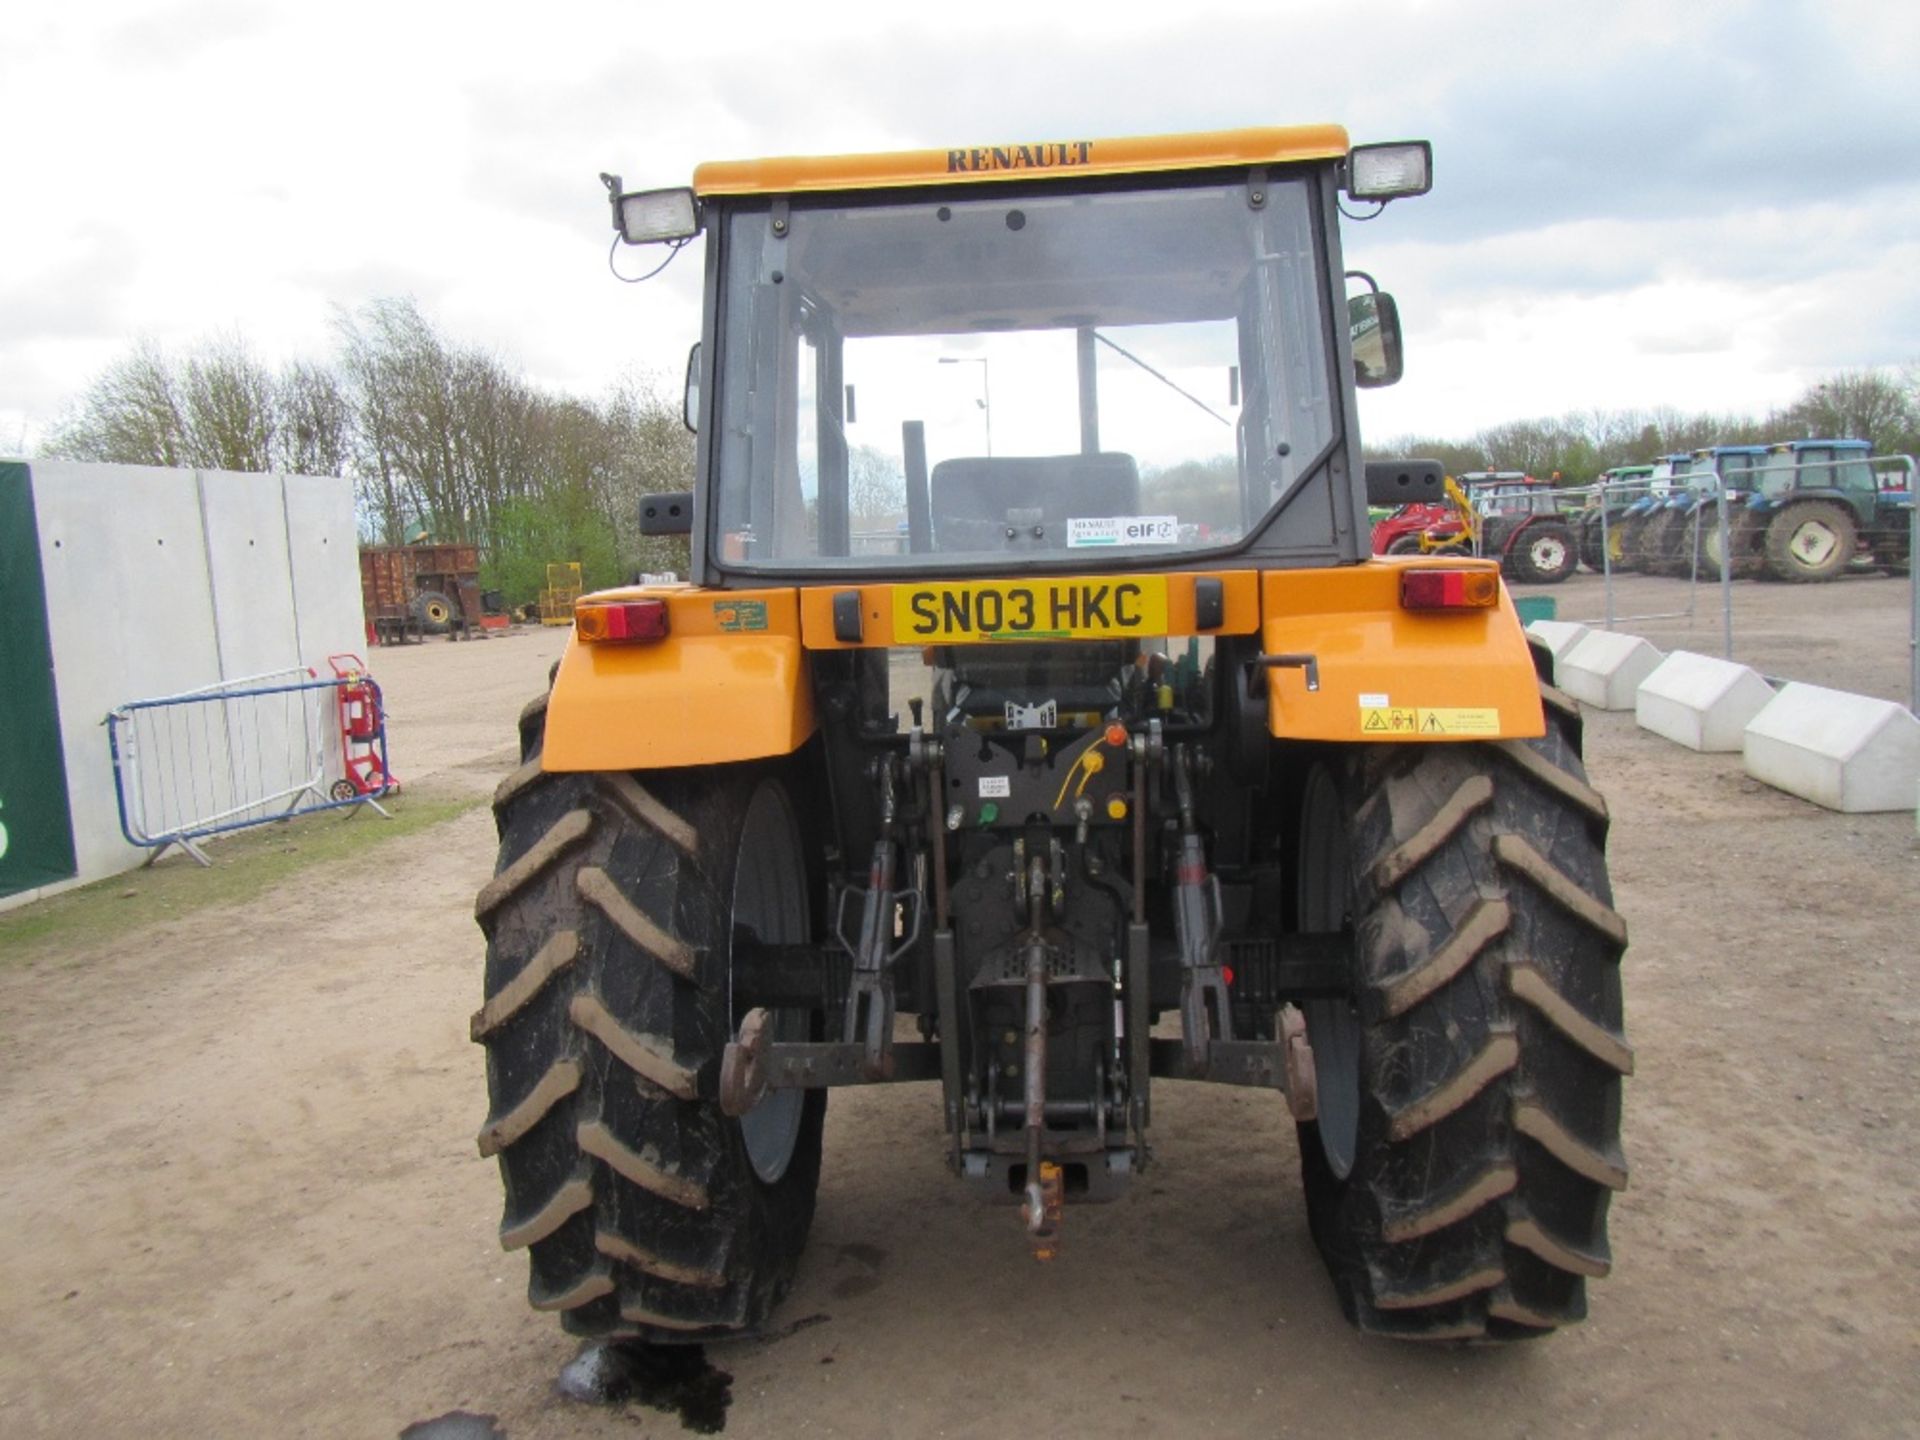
x: 236, y: 755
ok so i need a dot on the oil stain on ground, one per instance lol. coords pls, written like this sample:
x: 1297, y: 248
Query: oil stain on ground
x: 677, y: 1379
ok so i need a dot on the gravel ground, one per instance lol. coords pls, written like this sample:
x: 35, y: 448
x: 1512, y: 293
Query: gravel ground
x: 239, y: 1185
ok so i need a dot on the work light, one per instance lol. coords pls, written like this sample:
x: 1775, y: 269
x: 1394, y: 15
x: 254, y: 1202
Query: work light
x: 649, y: 216
x: 1390, y: 171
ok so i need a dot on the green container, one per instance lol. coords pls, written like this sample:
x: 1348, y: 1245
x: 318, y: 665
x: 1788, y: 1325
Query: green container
x: 1533, y: 607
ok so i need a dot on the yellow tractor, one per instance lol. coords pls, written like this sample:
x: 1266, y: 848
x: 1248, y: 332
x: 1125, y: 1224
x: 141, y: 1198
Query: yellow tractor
x: 1035, y: 729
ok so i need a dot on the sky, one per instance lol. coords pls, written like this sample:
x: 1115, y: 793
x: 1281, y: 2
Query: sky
x: 1707, y: 206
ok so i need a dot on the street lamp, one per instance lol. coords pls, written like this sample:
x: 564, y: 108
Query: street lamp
x: 986, y: 389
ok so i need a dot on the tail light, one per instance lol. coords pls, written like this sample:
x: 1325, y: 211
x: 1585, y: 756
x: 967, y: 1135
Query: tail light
x: 1449, y: 589
x: 620, y: 621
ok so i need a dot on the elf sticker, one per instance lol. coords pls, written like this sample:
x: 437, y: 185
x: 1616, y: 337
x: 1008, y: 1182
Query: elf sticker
x: 1124, y: 530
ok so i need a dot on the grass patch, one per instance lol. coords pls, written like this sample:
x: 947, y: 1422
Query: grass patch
x: 246, y: 863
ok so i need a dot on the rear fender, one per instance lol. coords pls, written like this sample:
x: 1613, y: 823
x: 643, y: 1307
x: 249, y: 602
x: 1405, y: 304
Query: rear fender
x: 729, y: 682
x: 1390, y: 674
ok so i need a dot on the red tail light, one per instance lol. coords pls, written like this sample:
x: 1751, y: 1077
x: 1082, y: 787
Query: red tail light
x: 1449, y: 589
x: 620, y: 621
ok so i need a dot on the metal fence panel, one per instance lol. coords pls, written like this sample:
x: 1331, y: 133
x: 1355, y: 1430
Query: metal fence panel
x: 229, y: 756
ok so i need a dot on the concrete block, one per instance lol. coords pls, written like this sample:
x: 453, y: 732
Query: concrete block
x: 1560, y: 635
x: 1605, y: 668
x: 1701, y: 702
x: 1846, y: 752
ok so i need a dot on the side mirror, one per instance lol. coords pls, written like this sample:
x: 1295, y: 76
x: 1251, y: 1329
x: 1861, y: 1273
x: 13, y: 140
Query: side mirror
x: 690, y: 406
x: 1373, y: 320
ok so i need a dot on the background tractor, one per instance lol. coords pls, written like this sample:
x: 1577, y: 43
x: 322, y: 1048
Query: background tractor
x: 1616, y: 491
x: 1505, y: 514
x: 1665, y: 482
x: 1680, y: 536
x: 1813, y: 508
x: 1521, y: 523
x: 1127, y: 767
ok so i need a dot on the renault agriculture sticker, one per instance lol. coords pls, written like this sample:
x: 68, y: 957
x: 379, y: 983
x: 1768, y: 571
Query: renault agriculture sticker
x: 1124, y: 530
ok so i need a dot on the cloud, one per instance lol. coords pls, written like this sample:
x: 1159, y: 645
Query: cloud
x: 1633, y: 199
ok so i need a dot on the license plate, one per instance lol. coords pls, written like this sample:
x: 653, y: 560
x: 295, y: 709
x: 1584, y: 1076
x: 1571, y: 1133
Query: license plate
x: 1067, y: 609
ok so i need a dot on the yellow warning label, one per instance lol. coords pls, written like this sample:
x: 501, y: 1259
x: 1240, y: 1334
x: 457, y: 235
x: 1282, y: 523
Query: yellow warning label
x: 1459, y: 722
x: 1387, y: 720
x: 1390, y: 720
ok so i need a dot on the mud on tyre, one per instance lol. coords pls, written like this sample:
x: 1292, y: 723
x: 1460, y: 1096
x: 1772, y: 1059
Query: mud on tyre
x: 1459, y: 1175
x: 644, y: 1210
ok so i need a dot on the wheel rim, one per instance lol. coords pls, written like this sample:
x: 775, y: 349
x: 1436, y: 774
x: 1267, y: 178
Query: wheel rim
x: 1615, y: 550
x: 1813, y: 543
x: 1333, y: 1029
x: 439, y: 612
x: 770, y: 902
x: 1548, y: 553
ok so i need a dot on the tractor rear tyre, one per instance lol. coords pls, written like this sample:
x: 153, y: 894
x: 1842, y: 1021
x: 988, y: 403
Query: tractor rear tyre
x: 1468, y: 1140
x: 1590, y: 555
x: 1544, y: 554
x: 1625, y: 538
x: 1653, y: 539
x: 1743, y: 534
x: 433, y: 612
x: 644, y: 1209
x: 1404, y: 545
x: 1810, y: 540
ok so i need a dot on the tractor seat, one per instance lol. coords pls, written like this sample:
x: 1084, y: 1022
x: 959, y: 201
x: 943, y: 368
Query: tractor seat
x: 976, y: 499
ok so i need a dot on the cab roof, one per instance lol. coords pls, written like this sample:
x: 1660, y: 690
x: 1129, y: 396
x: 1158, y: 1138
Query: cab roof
x: 1033, y: 159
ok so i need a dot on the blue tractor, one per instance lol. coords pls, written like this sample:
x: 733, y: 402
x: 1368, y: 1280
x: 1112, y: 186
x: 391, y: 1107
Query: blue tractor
x: 1683, y: 537
x: 1666, y: 483
x: 1816, y: 505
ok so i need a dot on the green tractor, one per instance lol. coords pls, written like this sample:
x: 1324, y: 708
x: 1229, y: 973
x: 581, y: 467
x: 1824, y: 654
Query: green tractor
x: 1617, y: 491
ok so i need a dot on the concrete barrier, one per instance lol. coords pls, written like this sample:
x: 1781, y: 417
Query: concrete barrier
x: 1701, y: 702
x: 1846, y: 752
x: 158, y: 581
x: 1605, y: 668
x: 1559, y: 636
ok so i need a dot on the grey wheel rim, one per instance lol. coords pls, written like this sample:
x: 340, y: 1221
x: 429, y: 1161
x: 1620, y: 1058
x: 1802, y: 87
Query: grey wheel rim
x: 770, y: 902
x: 1548, y: 553
x: 1333, y: 1028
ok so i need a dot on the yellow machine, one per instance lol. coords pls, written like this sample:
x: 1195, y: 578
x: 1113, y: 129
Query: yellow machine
x: 1032, y: 681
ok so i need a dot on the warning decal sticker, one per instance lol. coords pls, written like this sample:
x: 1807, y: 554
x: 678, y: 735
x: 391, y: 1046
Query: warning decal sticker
x: 1389, y: 721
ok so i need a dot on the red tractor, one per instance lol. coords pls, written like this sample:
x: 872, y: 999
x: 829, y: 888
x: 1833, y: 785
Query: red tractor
x: 1400, y: 533
x: 1502, y: 513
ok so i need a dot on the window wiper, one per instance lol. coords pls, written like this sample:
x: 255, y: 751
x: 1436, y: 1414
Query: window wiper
x: 1111, y: 345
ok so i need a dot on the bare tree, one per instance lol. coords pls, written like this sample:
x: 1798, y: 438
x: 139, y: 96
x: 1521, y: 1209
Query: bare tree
x: 876, y: 486
x: 315, y: 434
x: 228, y: 398
x: 131, y: 415
x: 1869, y: 405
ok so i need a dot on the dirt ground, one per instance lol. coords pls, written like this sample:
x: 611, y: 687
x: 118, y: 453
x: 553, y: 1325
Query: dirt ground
x: 239, y: 1193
